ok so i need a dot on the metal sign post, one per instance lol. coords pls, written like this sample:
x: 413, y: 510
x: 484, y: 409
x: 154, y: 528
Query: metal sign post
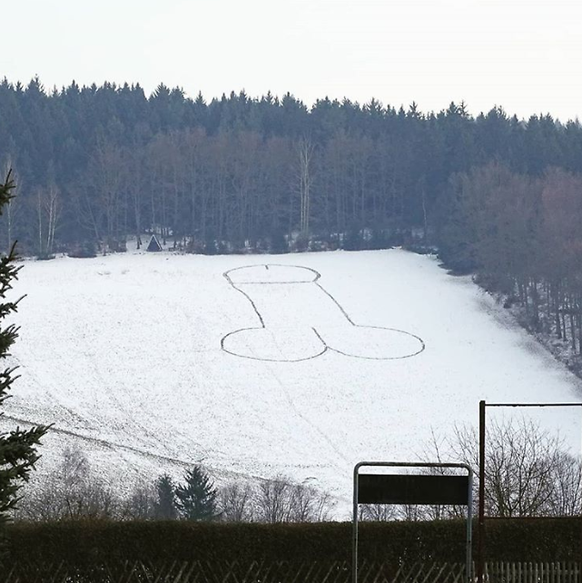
x: 412, y: 489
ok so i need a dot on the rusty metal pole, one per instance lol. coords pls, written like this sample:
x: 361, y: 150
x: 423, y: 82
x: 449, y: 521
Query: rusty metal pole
x: 481, y: 525
x: 355, y: 525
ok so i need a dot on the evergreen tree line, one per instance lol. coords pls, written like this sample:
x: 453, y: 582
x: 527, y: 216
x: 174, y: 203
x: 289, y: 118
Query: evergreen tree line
x: 95, y: 165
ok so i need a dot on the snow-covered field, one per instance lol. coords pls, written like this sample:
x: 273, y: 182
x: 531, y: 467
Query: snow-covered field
x: 261, y: 365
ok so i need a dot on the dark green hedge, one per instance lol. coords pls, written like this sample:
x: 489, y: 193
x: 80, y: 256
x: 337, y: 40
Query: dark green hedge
x: 83, y: 542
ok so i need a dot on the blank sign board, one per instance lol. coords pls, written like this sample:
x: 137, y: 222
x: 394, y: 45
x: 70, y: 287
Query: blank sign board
x: 410, y: 489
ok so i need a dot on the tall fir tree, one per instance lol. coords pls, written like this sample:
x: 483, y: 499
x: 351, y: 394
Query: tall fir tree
x: 196, y: 499
x: 165, y: 504
x: 18, y: 447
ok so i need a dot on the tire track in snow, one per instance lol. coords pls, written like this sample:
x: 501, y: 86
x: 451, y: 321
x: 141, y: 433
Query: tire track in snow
x: 133, y: 418
x: 306, y: 420
x: 118, y: 447
x: 86, y: 421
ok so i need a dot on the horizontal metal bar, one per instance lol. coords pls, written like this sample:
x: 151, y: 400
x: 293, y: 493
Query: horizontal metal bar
x: 533, y: 404
x: 412, y: 465
x: 534, y: 518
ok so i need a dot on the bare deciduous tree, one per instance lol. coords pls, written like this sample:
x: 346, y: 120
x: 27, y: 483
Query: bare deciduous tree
x: 141, y: 503
x: 236, y: 503
x: 72, y: 492
x: 566, y: 499
x: 272, y: 500
x: 527, y: 470
x: 48, y: 210
x: 378, y: 512
x: 305, y: 150
x: 308, y: 504
x: 280, y: 500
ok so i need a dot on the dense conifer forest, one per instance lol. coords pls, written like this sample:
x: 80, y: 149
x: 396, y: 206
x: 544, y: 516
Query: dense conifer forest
x: 495, y: 195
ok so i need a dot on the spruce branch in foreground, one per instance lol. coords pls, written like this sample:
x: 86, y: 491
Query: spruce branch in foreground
x: 17, y: 447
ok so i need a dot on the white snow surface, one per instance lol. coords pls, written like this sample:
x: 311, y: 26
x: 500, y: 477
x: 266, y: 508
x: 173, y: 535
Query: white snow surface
x: 125, y: 356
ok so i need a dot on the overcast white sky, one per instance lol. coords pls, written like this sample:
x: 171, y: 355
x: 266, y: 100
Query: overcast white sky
x: 525, y: 55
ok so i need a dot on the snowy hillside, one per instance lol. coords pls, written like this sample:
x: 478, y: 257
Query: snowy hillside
x: 259, y: 365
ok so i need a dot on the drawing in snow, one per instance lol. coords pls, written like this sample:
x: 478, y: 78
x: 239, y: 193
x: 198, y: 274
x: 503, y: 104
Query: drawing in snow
x: 298, y: 319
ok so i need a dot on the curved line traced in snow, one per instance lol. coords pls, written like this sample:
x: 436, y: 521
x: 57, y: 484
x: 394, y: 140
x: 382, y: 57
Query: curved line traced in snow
x: 299, y: 275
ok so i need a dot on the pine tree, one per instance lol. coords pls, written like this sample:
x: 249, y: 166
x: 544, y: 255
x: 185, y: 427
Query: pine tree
x: 196, y: 499
x: 165, y: 504
x: 18, y: 447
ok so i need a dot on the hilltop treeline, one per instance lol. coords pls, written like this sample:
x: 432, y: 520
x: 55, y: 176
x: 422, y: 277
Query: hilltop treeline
x: 98, y: 164
x: 498, y: 196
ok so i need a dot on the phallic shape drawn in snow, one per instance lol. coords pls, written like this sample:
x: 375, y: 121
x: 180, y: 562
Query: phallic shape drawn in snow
x: 321, y: 324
